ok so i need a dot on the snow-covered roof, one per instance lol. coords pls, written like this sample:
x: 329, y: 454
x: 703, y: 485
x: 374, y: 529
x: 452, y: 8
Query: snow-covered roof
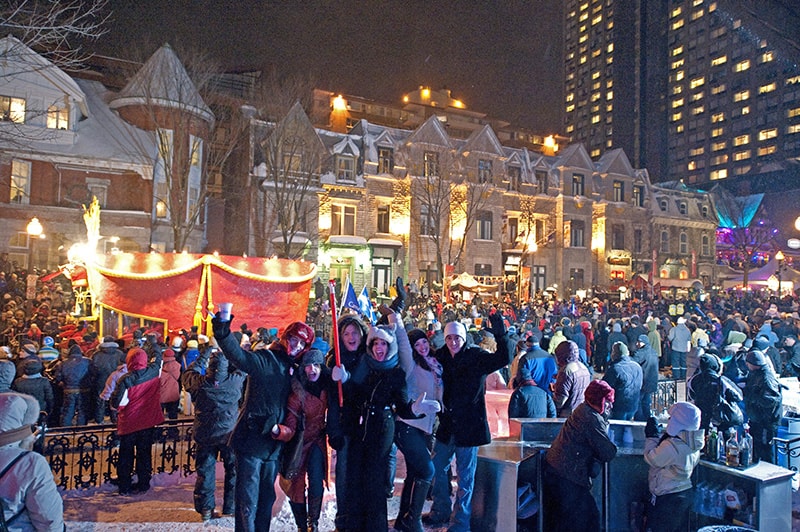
x: 163, y: 81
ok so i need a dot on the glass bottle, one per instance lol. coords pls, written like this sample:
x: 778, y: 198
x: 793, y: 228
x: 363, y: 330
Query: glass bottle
x: 746, y: 448
x: 711, y: 444
x: 732, y: 450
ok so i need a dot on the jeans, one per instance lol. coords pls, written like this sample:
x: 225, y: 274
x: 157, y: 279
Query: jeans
x: 100, y: 409
x: 413, y: 443
x: 205, y: 485
x: 74, y: 403
x: 342, y: 502
x: 255, y: 492
x: 678, y: 364
x: 138, y: 445
x: 645, y: 403
x: 315, y: 469
x: 466, y: 463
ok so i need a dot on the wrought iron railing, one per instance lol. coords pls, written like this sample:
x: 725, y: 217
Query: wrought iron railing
x: 86, y: 456
x: 665, y: 396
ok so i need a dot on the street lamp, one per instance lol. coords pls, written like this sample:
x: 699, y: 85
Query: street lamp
x: 34, y: 230
x: 779, y: 257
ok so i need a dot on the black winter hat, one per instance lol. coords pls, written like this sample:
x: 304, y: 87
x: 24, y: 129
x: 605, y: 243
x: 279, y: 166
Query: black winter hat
x: 416, y: 334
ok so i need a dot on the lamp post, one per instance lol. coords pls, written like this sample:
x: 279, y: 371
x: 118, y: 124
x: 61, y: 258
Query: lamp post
x: 779, y: 257
x: 34, y: 230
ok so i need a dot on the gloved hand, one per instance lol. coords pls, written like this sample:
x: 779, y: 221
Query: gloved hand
x: 220, y: 328
x: 424, y: 406
x: 651, y: 429
x: 498, y: 328
x: 399, y: 303
x: 336, y: 442
x: 339, y: 374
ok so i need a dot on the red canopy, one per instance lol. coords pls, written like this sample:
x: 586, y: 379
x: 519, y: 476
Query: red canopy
x: 185, y: 289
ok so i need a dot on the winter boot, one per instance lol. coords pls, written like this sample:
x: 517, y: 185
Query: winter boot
x: 314, y: 509
x: 405, y: 502
x: 300, y: 515
x: 411, y: 521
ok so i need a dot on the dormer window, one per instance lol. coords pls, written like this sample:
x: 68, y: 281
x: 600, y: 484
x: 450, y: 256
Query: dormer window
x: 385, y: 160
x: 638, y: 196
x: 57, y: 117
x: 484, y: 171
x: 345, y: 168
x: 619, y: 191
x: 663, y: 204
x: 683, y: 208
x: 12, y: 109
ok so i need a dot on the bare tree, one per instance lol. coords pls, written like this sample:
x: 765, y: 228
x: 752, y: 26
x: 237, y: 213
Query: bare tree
x: 55, y: 28
x: 286, y: 182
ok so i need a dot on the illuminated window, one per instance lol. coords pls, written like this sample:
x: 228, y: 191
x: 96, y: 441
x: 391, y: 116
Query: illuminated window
x: 610, y: 48
x: 638, y: 196
x: 719, y: 32
x: 430, y: 164
x: 722, y: 173
x: 719, y: 159
x: 597, y: 20
x: 57, y: 117
x: 769, y: 87
x: 679, y: 128
x: 694, y: 152
x: 719, y: 89
x: 619, y: 191
x: 595, y: 119
x: 610, y: 95
x: 741, y: 66
x: 745, y: 110
x: 697, y: 82
x: 721, y: 60
x: 677, y: 89
x: 741, y: 96
x: 676, y: 116
x: 766, y: 150
x: 675, y: 12
x: 677, y: 64
x: 717, y: 131
x: 794, y: 128
x: 12, y: 109
x: 697, y: 14
x: 698, y: 110
x: 385, y: 160
x: 679, y: 75
x: 691, y: 166
x: 791, y: 113
x: 678, y: 24
x: 345, y: 168
x: 741, y: 155
x: 766, y: 57
x: 570, y: 108
x: 678, y: 50
x: 677, y: 103
x: 343, y: 219
x: 717, y: 117
x: 577, y: 185
x: 766, y: 134
x: 20, y: 182
x: 716, y: 146
x: 793, y: 80
x: 697, y: 96
x: 741, y: 140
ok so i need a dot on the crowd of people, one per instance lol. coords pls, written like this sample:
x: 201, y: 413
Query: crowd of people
x: 415, y: 382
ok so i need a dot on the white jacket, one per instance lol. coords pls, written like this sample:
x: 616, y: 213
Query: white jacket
x: 672, y: 461
x: 29, y: 484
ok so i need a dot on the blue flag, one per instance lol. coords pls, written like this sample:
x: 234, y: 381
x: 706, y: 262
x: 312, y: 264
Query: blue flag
x: 366, y: 305
x: 349, y: 299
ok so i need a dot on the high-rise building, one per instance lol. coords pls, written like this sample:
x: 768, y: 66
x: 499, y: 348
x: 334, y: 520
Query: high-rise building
x: 704, y: 91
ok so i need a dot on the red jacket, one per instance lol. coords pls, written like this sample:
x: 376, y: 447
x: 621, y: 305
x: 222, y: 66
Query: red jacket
x: 140, y: 391
x: 170, y: 378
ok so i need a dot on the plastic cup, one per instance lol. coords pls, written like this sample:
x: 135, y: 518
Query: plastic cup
x: 225, y: 311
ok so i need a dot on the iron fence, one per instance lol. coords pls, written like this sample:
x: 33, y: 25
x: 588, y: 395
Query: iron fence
x: 665, y: 396
x: 86, y: 456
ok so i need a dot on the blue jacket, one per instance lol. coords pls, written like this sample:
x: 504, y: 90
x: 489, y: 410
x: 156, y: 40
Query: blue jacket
x: 625, y: 376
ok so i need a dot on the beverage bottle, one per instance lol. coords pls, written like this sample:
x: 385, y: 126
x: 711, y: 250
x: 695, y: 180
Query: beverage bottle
x: 720, y: 448
x: 732, y: 450
x: 746, y: 448
x: 711, y: 444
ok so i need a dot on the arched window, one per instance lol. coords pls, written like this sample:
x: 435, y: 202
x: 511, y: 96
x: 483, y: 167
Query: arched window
x: 684, y: 244
x: 664, y: 241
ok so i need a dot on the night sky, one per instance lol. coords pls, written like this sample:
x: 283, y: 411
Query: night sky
x: 500, y: 57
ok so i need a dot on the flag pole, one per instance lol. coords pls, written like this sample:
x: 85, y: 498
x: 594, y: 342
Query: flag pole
x: 335, y: 332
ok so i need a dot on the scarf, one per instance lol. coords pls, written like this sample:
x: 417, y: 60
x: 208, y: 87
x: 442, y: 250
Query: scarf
x: 387, y: 364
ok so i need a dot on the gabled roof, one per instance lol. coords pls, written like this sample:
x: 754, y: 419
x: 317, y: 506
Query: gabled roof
x: 483, y: 140
x: 163, y: 81
x: 16, y: 60
x: 430, y: 132
x: 615, y: 162
x: 575, y: 155
x: 346, y: 146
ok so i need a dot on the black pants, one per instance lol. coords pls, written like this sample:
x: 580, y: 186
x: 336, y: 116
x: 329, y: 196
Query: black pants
x: 139, y: 446
x: 366, y: 473
x: 206, y: 477
x: 568, y: 507
x: 670, y: 513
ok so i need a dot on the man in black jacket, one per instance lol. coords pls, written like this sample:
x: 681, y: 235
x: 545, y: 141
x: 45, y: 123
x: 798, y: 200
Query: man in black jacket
x: 216, y: 397
x: 463, y: 422
x: 269, y: 374
x: 762, y: 403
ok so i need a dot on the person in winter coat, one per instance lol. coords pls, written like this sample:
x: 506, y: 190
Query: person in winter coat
x: 541, y: 364
x: 647, y: 358
x: 574, y: 458
x: 654, y: 337
x: 352, y: 346
x: 792, y: 355
x: 528, y: 400
x: 7, y: 373
x: 75, y: 378
x: 254, y: 439
x: 708, y: 387
x: 463, y: 423
x: 216, y: 393
x: 672, y: 458
x: 170, y: 385
x: 680, y: 339
x: 588, y: 334
x: 615, y: 336
x: 190, y: 354
x: 35, y: 384
x: 373, y: 393
x: 635, y: 330
x: 762, y: 403
x: 572, y: 379
x: 313, y: 392
x: 625, y: 376
x: 137, y: 400
x: 104, y: 362
x: 48, y: 353
x: 30, y: 498
x: 414, y: 437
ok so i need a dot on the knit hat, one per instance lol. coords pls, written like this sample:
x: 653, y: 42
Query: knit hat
x: 313, y: 356
x: 710, y: 361
x: 33, y: 366
x: 761, y: 343
x: 192, y: 344
x: 75, y: 351
x: 168, y: 353
x: 596, y: 394
x: 414, y: 335
x: 756, y: 358
x: 524, y: 374
x: 48, y: 341
x: 619, y: 350
x: 30, y: 348
x: 108, y: 342
x: 18, y: 413
x: 456, y: 328
x: 683, y: 416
